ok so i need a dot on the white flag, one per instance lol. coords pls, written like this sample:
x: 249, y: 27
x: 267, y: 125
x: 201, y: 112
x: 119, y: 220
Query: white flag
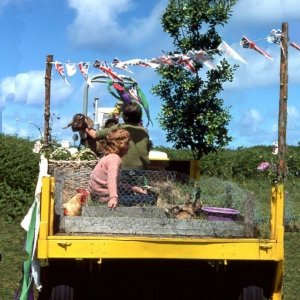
x: 226, y: 49
x: 71, y: 69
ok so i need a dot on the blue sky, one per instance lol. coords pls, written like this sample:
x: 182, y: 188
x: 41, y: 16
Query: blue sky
x: 86, y: 30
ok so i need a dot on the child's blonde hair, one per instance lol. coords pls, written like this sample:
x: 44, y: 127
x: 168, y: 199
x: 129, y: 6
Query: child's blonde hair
x: 117, y: 142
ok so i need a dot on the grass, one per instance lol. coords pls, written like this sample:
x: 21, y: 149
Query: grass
x: 291, y: 287
x: 12, y: 238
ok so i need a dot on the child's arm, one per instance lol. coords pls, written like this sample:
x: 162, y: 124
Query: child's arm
x: 114, y: 165
x: 113, y: 202
x: 138, y: 189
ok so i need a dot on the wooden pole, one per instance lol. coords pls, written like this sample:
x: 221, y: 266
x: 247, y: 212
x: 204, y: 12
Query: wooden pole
x: 282, y: 118
x: 49, y: 61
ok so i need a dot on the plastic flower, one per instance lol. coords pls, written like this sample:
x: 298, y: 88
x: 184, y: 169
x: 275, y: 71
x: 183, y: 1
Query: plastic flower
x: 37, y: 147
x: 263, y: 166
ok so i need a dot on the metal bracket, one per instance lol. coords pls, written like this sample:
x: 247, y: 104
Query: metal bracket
x: 265, y: 246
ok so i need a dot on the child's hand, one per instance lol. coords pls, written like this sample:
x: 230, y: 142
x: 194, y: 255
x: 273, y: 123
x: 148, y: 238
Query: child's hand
x: 113, y: 202
x: 139, y: 190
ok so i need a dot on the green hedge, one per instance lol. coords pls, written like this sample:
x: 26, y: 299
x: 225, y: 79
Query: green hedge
x: 19, y: 168
x: 240, y: 163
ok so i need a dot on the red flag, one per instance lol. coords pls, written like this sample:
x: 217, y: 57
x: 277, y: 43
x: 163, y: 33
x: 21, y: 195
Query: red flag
x: 294, y: 45
x: 202, y: 57
x: 61, y: 71
x: 186, y: 62
x: 246, y: 43
x: 84, y: 69
x: 102, y: 65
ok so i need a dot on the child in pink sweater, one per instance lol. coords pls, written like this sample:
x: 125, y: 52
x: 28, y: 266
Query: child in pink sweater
x: 104, y: 178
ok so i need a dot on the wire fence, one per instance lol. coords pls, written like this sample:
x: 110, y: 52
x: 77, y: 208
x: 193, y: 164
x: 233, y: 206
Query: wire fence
x: 147, y: 196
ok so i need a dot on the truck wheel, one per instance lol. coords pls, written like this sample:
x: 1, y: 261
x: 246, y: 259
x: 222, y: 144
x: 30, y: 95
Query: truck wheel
x: 252, y: 293
x: 62, y: 292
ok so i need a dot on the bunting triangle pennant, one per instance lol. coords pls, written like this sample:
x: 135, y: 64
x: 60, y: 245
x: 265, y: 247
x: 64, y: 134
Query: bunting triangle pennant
x: 274, y: 36
x: 186, y: 62
x: 102, y: 65
x: 140, y: 62
x: 225, y: 49
x: 163, y: 60
x: 84, y: 70
x: 123, y: 65
x: 246, y: 43
x: 116, y: 63
x: 61, y: 71
x: 71, y: 69
x: 294, y: 45
x: 202, y: 57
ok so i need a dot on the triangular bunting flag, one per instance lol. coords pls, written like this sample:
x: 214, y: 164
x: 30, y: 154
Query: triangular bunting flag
x: 227, y: 50
x: 102, y: 65
x: 84, y: 70
x: 71, y: 69
x: 61, y: 71
x: 294, y: 45
x: 246, y: 43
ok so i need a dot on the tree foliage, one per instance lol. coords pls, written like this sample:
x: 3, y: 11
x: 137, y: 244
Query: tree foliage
x: 192, y: 113
x: 19, y: 168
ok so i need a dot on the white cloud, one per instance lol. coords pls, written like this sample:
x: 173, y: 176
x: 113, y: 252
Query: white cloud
x: 293, y: 125
x: 106, y: 26
x: 252, y: 128
x: 9, y: 129
x: 293, y: 112
x: 255, y: 19
x: 250, y: 122
x: 260, y: 71
x: 29, y: 88
x: 96, y: 20
x: 257, y: 12
x: 293, y: 66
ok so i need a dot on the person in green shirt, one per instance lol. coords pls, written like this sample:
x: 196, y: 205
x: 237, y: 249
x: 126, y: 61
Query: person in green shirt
x: 139, y: 146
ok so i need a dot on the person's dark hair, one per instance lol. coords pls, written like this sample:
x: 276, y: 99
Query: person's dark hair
x: 132, y: 113
x: 110, y: 122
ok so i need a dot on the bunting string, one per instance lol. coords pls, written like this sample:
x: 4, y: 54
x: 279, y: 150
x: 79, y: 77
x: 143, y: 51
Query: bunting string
x: 188, y: 60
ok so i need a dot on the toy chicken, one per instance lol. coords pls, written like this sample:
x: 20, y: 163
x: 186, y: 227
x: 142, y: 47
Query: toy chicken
x: 73, y: 206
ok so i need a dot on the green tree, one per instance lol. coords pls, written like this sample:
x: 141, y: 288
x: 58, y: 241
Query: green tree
x: 192, y: 114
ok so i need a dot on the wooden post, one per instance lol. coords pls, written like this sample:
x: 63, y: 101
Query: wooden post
x: 49, y: 61
x: 282, y: 118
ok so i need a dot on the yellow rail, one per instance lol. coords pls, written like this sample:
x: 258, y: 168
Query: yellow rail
x: 101, y: 246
